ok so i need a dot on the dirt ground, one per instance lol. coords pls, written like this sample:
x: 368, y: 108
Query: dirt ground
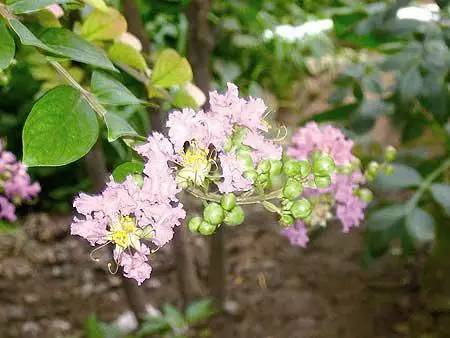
x: 49, y: 285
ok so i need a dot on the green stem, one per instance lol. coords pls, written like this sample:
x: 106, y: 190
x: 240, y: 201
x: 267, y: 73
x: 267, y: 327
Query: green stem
x: 91, y: 100
x: 426, y: 184
x: 240, y: 200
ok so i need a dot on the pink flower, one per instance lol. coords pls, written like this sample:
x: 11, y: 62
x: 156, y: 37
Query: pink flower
x: 232, y: 175
x: 127, y: 215
x: 297, y: 234
x: 56, y: 10
x: 263, y: 148
x: 7, y: 210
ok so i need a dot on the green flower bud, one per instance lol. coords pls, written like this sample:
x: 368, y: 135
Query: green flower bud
x: 235, y: 217
x: 292, y: 189
x: 287, y: 204
x: 263, y: 166
x: 291, y: 167
x: 323, y: 165
x: 213, y: 214
x: 252, y: 175
x: 244, y: 157
x: 286, y: 220
x: 276, y: 181
x: 228, y: 201
x: 372, y: 168
x: 305, y: 168
x: 194, y: 223
x: 301, y: 208
x: 322, y: 181
x: 365, y: 194
x: 275, y: 167
x: 390, y: 153
x: 206, y: 228
x: 263, y: 178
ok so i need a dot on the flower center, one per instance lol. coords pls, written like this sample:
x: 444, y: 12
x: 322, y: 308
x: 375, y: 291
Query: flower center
x: 123, y: 231
x: 195, y: 166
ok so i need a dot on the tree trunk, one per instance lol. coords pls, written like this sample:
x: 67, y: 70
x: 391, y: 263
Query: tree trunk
x: 97, y: 171
x: 200, y: 46
x: 136, y: 27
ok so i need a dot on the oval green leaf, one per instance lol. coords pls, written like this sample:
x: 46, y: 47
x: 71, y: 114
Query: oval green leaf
x: 386, y: 217
x: 441, y: 194
x: 68, y: 44
x: 7, y: 47
x: 60, y: 129
x: 26, y: 37
x: 171, y: 69
x: 402, y: 177
x: 118, y: 127
x: 101, y: 25
x: 121, y: 172
x: 420, y: 225
x: 110, y: 91
x: 125, y: 54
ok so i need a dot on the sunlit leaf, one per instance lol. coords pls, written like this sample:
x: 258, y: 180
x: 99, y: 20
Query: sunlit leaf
x: 118, y: 127
x: 125, y: 54
x: 171, y: 69
x: 104, y: 25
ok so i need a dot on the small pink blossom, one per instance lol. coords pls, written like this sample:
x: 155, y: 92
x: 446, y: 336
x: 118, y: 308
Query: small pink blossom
x: 232, y: 173
x: 263, y: 148
x: 7, y: 210
x: 56, y: 10
x: 297, y: 234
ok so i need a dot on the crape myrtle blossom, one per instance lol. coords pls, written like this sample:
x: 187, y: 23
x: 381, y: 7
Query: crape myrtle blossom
x: 129, y: 215
x: 348, y: 206
x: 15, y: 185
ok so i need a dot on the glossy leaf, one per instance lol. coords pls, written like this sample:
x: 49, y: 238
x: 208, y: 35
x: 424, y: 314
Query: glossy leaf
x: 7, y: 47
x: 420, y: 225
x: 171, y: 69
x: 121, y: 172
x: 441, y: 194
x: 27, y: 38
x: 402, y: 177
x: 124, y: 53
x: 110, y: 91
x: 386, y: 217
x: 27, y: 6
x: 60, y: 129
x: 73, y: 46
x: 118, y: 127
x: 104, y: 25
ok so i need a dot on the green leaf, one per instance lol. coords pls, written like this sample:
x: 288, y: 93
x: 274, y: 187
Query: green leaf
x: 375, y: 108
x: 7, y: 48
x: 335, y: 114
x: 26, y: 37
x: 104, y: 25
x: 73, y: 46
x: 118, y: 127
x: 182, y: 99
x: 99, y: 4
x: 171, y: 69
x: 420, y: 225
x: 110, y: 91
x: 153, y: 325
x: 410, y: 84
x: 27, y: 6
x: 402, y: 177
x: 121, y: 172
x: 200, y: 310
x: 386, y: 217
x: 60, y: 129
x: 124, y: 53
x: 441, y: 194
x: 92, y: 328
x: 7, y: 227
x: 173, y: 316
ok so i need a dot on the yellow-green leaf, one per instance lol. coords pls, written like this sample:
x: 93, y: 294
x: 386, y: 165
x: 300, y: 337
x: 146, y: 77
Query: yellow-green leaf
x: 171, y: 69
x: 104, y: 25
x: 123, y: 53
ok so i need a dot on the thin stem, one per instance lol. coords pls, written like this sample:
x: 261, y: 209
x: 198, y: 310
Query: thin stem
x: 426, y: 184
x: 91, y: 100
x: 257, y: 199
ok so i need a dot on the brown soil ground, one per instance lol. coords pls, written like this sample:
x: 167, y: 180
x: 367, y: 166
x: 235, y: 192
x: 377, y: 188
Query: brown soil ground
x: 49, y: 285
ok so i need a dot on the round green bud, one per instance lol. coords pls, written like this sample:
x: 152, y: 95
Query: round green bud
x: 365, y: 194
x: 213, y: 214
x: 276, y: 167
x: 372, y: 168
x: 263, y: 178
x: 388, y: 170
x: 292, y: 189
x: 252, y: 175
x: 244, y: 157
x: 228, y: 201
x: 322, y: 181
x: 276, y: 181
x: 235, y: 217
x: 263, y: 166
x: 301, y: 208
x: 291, y: 168
x: 305, y: 168
x: 323, y: 165
x: 194, y: 223
x: 206, y: 228
x: 287, y: 204
x: 286, y: 220
x: 390, y: 153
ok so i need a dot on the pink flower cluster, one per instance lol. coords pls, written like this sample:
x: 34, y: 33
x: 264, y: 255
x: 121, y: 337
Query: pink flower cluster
x: 129, y: 215
x: 349, y: 208
x: 215, y: 127
x: 15, y: 185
